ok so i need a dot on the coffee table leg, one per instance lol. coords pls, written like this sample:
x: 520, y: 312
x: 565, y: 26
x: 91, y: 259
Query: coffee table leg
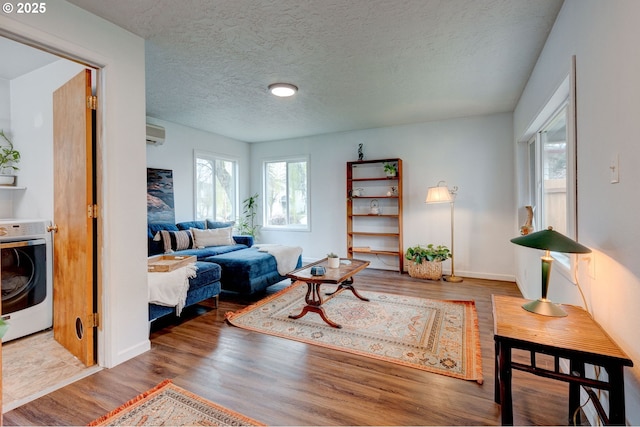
x: 314, y: 303
x: 320, y: 311
x: 348, y: 284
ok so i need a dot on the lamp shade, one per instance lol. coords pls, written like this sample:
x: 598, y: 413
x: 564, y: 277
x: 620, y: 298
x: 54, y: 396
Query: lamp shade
x: 551, y: 240
x: 438, y: 194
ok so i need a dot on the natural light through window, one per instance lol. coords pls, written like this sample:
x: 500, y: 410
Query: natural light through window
x: 286, y: 202
x: 553, y: 145
x: 552, y: 169
x: 216, y: 188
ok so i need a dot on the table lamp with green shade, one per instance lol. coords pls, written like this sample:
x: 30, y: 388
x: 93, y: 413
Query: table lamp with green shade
x: 548, y: 240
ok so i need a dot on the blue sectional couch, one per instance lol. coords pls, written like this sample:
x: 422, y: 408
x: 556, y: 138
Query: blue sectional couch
x: 205, y: 285
x: 237, y: 267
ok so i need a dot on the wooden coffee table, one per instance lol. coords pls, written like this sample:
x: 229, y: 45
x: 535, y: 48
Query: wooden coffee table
x: 342, y: 276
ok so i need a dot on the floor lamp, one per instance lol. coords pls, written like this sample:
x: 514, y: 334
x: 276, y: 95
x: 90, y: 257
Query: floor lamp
x: 441, y: 194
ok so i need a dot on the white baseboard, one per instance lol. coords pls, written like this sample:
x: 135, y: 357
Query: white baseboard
x: 129, y: 353
x: 470, y: 274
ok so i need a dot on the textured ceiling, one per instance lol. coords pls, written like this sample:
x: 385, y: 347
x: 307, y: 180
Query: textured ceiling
x: 358, y: 63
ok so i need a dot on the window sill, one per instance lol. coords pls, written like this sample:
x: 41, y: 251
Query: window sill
x: 285, y: 228
x: 565, y: 265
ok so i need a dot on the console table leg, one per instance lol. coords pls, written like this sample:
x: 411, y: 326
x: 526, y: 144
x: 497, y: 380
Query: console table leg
x: 577, y: 369
x: 616, y: 395
x: 496, y: 375
x: 506, y: 402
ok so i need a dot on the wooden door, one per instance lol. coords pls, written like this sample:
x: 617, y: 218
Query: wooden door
x: 74, y: 217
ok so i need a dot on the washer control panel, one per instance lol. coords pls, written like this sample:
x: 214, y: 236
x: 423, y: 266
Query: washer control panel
x: 19, y: 229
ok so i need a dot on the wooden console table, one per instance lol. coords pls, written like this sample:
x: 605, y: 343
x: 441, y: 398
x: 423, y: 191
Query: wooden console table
x: 576, y: 338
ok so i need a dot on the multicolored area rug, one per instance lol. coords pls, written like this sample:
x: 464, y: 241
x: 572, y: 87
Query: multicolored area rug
x: 431, y: 335
x: 170, y: 405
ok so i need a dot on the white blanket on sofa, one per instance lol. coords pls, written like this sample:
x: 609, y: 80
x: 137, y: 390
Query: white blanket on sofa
x: 170, y: 288
x: 286, y: 256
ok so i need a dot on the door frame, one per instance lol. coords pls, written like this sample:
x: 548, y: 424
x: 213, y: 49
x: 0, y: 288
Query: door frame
x: 97, y: 65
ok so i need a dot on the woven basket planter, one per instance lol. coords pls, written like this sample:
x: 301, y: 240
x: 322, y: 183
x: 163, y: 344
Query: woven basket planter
x: 431, y: 270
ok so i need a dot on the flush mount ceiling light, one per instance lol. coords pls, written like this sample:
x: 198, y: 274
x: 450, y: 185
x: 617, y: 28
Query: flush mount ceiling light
x: 283, y: 89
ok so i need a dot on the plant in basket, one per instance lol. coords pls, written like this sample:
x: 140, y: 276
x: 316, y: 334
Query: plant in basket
x: 427, y: 260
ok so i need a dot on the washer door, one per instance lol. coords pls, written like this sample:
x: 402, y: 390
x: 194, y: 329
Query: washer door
x: 23, y: 274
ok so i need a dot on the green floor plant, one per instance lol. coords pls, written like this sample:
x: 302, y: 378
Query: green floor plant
x: 419, y: 253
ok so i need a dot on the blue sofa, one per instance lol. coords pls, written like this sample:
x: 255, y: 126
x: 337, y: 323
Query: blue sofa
x: 205, y: 285
x: 238, y: 268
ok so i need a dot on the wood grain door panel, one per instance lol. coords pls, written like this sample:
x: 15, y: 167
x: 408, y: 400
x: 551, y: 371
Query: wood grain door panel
x: 73, y: 242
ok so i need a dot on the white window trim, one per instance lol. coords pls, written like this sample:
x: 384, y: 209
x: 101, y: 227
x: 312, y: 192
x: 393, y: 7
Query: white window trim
x: 209, y: 155
x: 565, y: 94
x: 287, y: 227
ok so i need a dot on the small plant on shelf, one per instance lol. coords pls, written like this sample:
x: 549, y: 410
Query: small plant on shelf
x: 391, y: 169
x: 9, y: 157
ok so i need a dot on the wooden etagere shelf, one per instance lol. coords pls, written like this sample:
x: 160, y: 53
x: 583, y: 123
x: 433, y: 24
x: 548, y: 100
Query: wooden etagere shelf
x: 374, y: 211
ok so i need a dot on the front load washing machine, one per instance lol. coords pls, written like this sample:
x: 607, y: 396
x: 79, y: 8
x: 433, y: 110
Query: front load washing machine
x: 26, y: 273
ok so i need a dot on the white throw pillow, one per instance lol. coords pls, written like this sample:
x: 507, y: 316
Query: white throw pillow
x: 212, y: 237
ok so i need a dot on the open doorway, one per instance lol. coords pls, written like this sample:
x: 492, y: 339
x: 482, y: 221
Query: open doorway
x: 26, y: 113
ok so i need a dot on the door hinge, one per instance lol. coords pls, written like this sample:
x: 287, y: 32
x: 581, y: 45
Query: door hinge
x: 92, y: 102
x: 92, y: 211
x: 95, y: 320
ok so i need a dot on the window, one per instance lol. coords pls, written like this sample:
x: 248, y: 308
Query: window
x: 551, y: 182
x: 552, y: 169
x: 286, y: 201
x: 216, y: 188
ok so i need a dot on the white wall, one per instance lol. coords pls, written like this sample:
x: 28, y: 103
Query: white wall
x: 473, y: 153
x: 6, y: 196
x: 5, y: 106
x: 430, y: 152
x: 603, y: 36
x: 32, y: 130
x: 177, y: 154
x: 121, y: 108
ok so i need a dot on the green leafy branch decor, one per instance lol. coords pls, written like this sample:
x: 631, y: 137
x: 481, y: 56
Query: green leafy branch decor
x: 9, y: 157
x: 418, y: 254
x: 4, y: 325
x: 246, y: 224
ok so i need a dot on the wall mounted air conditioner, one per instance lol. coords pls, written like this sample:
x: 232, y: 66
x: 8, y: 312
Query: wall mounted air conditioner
x: 155, y: 135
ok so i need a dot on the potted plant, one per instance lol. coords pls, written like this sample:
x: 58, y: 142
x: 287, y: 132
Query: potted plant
x: 333, y: 260
x: 391, y: 169
x: 246, y: 224
x: 9, y: 158
x: 427, y: 261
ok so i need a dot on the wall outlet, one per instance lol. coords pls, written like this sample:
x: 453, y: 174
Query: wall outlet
x: 591, y: 265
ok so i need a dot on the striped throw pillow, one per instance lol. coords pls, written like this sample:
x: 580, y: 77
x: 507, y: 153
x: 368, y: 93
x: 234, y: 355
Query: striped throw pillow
x: 176, y: 240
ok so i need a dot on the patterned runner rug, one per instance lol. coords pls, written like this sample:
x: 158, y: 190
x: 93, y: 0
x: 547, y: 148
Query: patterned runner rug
x: 431, y: 335
x: 170, y: 405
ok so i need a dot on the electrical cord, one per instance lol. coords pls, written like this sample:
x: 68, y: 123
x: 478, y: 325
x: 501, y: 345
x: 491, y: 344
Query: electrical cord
x: 596, y: 369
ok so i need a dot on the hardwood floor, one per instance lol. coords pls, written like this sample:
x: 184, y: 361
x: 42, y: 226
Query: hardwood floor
x: 283, y: 382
